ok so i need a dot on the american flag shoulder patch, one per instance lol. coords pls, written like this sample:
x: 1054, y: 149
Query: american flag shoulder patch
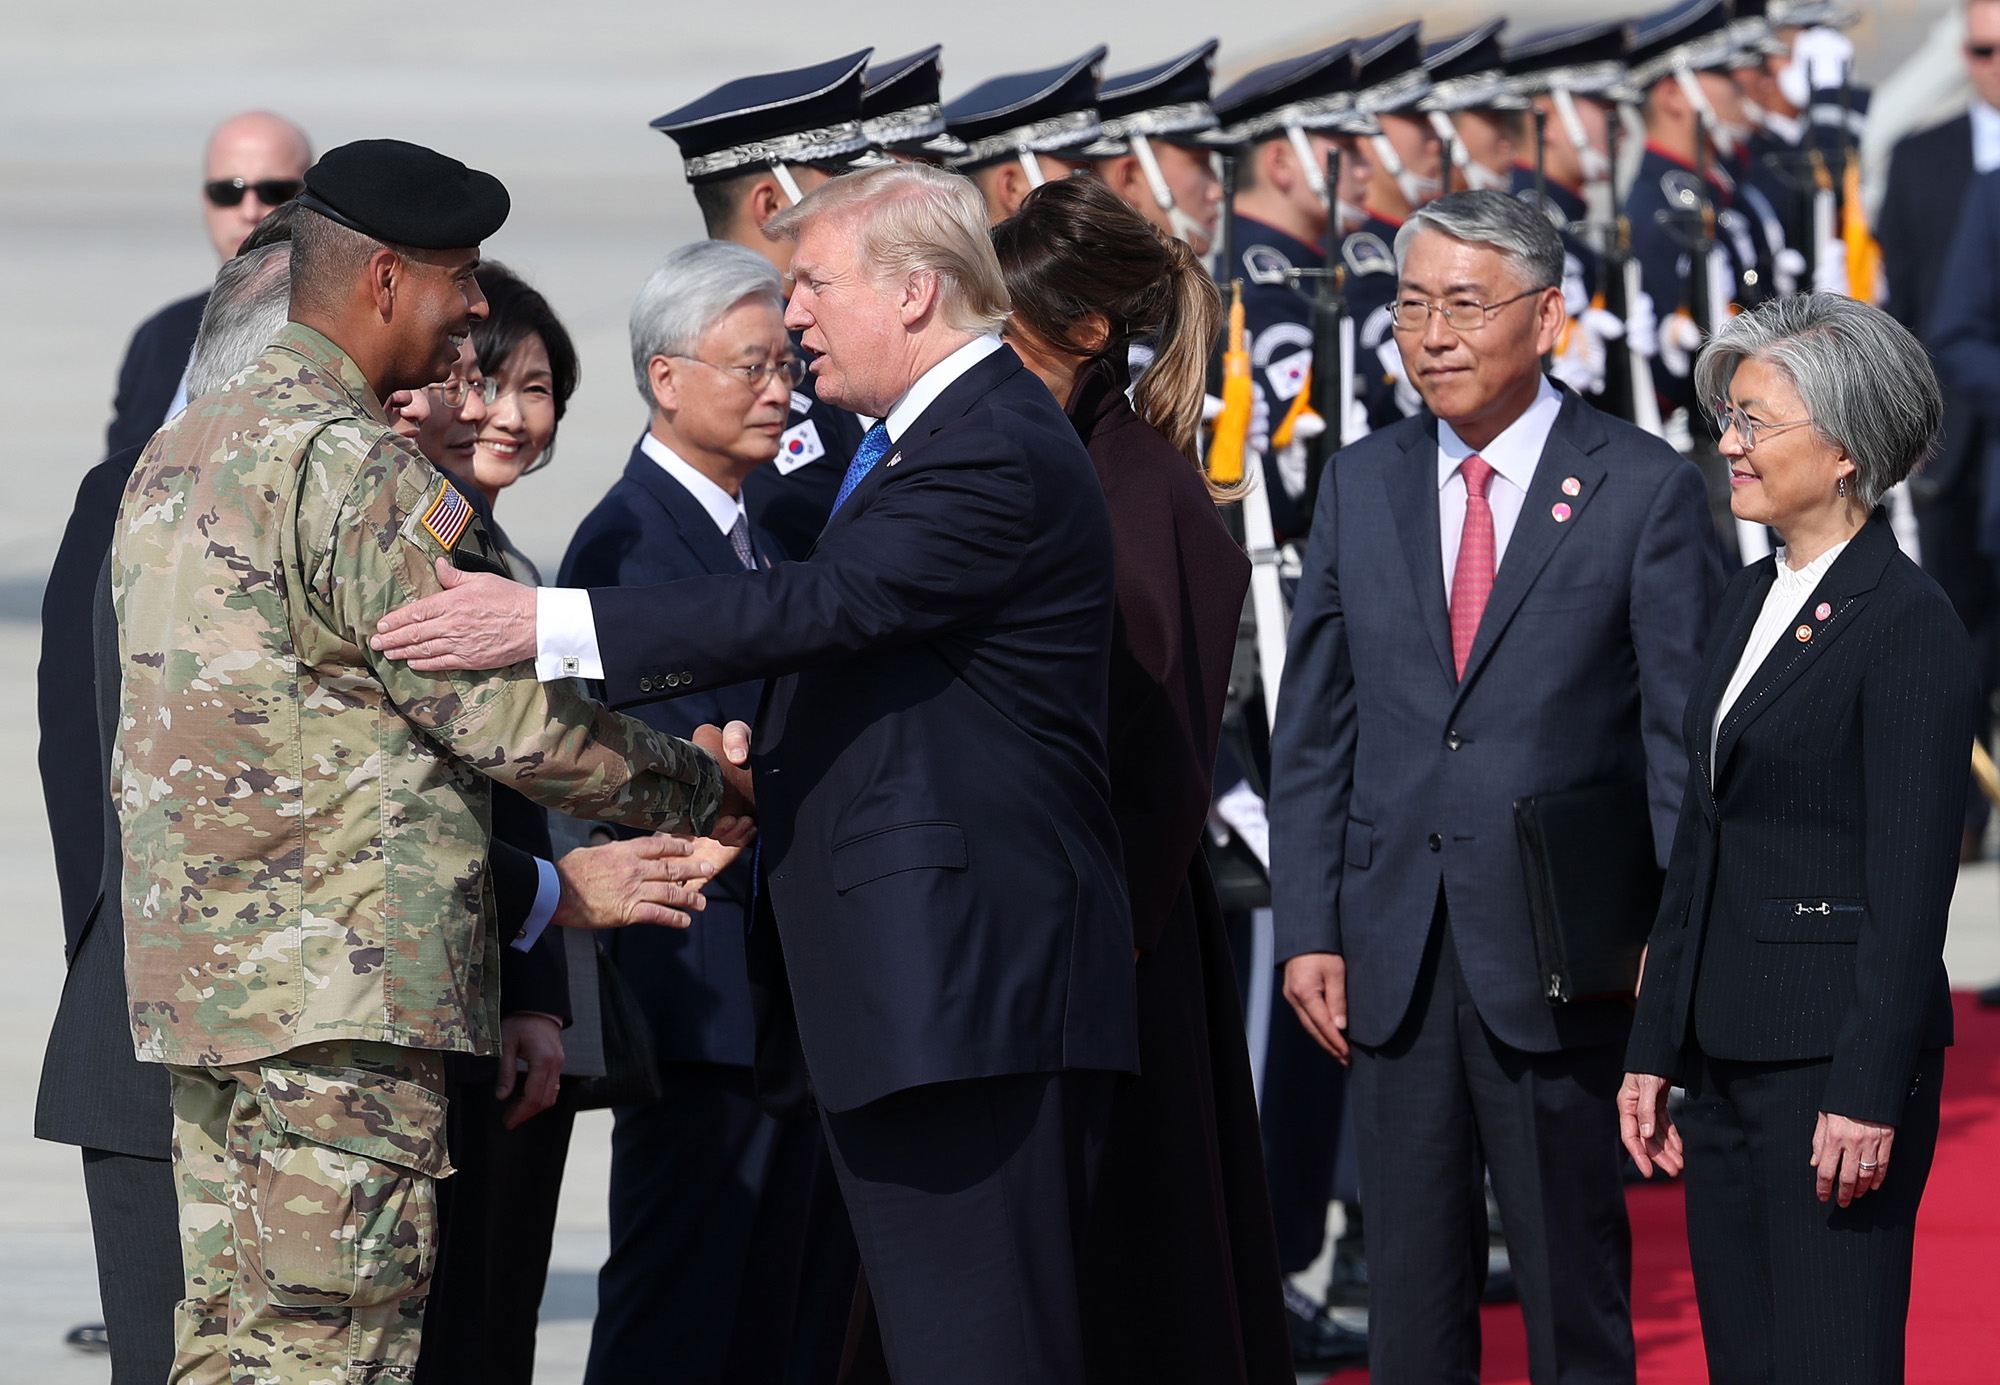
x: 446, y: 515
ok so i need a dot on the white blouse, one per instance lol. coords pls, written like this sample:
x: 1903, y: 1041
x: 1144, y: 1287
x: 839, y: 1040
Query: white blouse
x: 1781, y: 604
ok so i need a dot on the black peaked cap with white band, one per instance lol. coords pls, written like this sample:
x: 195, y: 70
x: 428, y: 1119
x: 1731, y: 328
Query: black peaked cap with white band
x: 1586, y: 59
x: 1167, y: 101
x: 902, y: 110
x: 1053, y: 111
x: 808, y: 115
x: 1312, y: 92
x: 1468, y: 72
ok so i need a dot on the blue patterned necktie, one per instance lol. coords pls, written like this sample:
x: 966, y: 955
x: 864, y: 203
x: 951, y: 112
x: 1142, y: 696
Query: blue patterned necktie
x: 873, y: 445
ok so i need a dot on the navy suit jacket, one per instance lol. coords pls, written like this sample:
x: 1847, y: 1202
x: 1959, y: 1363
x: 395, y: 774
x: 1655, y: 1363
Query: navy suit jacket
x: 692, y: 983
x: 1391, y: 776
x: 151, y: 372
x: 1809, y: 887
x: 939, y: 853
x: 1964, y: 340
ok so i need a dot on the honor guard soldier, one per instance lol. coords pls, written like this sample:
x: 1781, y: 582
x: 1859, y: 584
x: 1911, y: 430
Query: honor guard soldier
x: 1474, y: 109
x: 1284, y: 120
x: 1409, y: 172
x: 308, y: 910
x: 902, y: 112
x: 1155, y: 153
x: 1573, y: 80
x: 1023, y: 129
x: 1697, y: 250
x: 750, y: 149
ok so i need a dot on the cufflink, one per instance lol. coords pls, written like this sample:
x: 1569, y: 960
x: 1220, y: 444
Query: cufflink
x: 572, y: 666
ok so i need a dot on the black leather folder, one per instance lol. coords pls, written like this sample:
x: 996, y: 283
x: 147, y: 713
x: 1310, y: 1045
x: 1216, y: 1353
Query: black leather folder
x: 1593, y: 887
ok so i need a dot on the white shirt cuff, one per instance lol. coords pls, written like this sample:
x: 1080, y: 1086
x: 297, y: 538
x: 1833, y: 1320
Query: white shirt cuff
x: 548, y: 894
x: 565, y: 635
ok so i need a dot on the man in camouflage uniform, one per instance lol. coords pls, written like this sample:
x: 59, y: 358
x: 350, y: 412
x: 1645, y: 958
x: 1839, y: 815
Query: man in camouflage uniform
x: 308, y: 922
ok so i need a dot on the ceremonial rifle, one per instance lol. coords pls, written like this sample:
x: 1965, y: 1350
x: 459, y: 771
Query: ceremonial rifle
x: 1329, y: 392
x: 1228, y: 464
x: 1628, y: 375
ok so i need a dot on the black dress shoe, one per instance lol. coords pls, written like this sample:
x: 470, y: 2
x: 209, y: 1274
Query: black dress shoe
x: 1317, y: 1340
x: 1990, y: 998
x: 91, y: 1337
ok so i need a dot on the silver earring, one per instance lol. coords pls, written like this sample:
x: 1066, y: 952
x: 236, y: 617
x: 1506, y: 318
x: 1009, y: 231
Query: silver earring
x: 1842, y: 488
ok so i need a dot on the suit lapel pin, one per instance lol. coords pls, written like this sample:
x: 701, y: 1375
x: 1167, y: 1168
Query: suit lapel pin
x: 894, y: 458
x: 1572, y: 486
x: 1561, y: 512
x: 1804, y: 633
x: 1823, y: 610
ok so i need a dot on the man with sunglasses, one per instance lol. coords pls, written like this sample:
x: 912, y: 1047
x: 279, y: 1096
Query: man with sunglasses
x: 254, y: 162
x: 1930, y: 175
x: 1503, y: 596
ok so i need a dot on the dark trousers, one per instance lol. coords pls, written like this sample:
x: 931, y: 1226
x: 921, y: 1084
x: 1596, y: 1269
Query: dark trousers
x: 969, y: 1202
x: 135, y: 1225
x: 686, y: 1175
x: 1792, y: 1288
x: 497, y: 1215
x: 1436, y: 1109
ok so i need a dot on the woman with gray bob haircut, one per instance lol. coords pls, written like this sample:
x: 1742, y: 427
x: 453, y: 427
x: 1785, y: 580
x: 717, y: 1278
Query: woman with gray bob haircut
x: 1794, y: 982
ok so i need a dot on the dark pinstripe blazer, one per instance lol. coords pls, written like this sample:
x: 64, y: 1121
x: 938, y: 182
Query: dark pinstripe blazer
x: 1805, y: 905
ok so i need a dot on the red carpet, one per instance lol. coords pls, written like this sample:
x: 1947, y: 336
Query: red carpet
x: 1955, y: 1302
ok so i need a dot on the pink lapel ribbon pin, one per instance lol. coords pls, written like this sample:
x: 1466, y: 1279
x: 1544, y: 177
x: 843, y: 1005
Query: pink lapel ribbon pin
x: 1823, y: 610
x: 1560, y: 511
x: 1572, y: 486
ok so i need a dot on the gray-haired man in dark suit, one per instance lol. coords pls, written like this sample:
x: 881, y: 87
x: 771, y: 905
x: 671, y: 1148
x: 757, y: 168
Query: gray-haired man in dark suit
x: 1504, y: 596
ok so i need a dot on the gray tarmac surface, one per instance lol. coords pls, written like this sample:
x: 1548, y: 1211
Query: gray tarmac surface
x: 103, y: 111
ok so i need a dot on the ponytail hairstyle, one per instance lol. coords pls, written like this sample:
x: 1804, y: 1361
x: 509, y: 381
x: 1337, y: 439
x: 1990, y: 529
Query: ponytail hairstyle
x: 1075, y: 248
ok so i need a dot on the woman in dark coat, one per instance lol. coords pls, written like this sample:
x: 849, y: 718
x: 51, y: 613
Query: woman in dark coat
x: 1180, y: 1277
x: 1795, y: 980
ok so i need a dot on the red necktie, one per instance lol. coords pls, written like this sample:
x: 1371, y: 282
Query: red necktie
x: 1472, y: 576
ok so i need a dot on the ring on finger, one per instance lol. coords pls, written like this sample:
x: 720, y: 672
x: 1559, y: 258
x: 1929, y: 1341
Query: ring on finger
x: 1866, y: 1165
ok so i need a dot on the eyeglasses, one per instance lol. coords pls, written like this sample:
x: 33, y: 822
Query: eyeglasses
x: 1982, y: 52
x: 455, y: 390
x: 1728, y: 415
x: 1414, y: 314
x: 272, y: 192
x: 757, y: 377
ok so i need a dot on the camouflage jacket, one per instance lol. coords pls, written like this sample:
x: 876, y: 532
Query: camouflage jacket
x: 305, y: 821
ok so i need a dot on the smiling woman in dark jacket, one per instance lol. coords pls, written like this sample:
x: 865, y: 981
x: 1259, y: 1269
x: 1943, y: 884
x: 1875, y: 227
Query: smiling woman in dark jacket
x: 1795, y: 980
x: 1180, y: 1275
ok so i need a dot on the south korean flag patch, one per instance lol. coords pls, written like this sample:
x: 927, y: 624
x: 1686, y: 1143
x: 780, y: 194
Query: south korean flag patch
x: 1287, y: 375
x: 798, y: 446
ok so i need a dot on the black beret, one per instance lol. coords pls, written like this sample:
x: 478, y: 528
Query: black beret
x: 405, y: 194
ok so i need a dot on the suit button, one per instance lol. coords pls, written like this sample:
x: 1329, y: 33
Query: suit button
x: 670, y: 682
x: 1452, y: 740
x: 687, y: 677
x: 645, y: 685
x: 1436, y: 842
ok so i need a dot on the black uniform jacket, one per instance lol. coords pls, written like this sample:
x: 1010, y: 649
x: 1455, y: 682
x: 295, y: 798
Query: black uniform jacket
x: 1804, y: 913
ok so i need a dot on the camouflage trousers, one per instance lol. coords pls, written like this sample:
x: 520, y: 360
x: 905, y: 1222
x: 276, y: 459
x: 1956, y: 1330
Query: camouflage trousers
x: 308, y: 1214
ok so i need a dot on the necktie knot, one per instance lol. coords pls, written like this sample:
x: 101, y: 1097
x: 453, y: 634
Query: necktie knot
x: 1478, y: 474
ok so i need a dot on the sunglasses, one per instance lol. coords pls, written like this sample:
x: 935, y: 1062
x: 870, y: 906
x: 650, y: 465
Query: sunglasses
x: 1982, y: 51
x: 272, y: 192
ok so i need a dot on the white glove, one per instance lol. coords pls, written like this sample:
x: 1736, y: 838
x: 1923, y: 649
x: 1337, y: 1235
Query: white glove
x: 1642, y: 326
x: 1830, y: 274
x: 1357, y: 421
x: 1820, y: 59
x: 1242, y: 812
x: 1584, y: 358
x: 1291, y: 457
x: 1575, y: 299
x: 1407, y: 398
x: 1786, y: 266
x: 1259, y: 438
x: 1679, y: 340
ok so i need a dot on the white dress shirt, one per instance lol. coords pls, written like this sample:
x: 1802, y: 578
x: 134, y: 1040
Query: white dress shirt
x: 1985, y: 136
x: 1774, y: 623
x: 725, y: 509
x: 1513, y: 455
x: 566, y: 633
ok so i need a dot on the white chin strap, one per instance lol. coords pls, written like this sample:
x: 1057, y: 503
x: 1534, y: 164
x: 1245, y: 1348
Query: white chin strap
x: 1416, y: 191
x: 1596, y: 167
x: 1315, y: 175
x: 1719, y: 134
x: 1032, y: 166
x: 1473, y: 174
x: 1185, y: 226
x: 788, y: 183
